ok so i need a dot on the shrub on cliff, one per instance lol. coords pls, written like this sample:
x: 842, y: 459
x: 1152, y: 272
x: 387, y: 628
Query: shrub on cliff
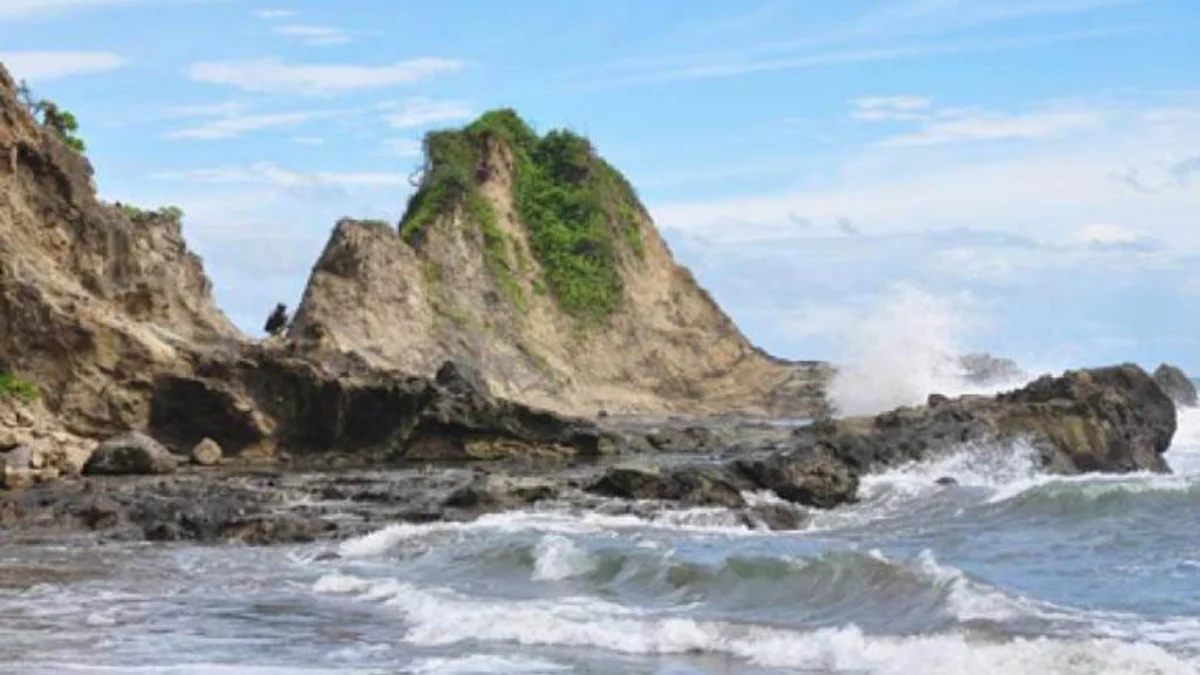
x: 13, y: 387
x: 63, y: 123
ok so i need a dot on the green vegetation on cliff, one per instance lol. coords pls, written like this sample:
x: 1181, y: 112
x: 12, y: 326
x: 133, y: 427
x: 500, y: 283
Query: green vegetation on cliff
x: 63, y: 123
x: 12, y: 386
x: 578, y: 209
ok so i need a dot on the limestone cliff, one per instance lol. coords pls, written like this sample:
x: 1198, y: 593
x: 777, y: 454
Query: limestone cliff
x: 532, y: 259
x: 95, y: 299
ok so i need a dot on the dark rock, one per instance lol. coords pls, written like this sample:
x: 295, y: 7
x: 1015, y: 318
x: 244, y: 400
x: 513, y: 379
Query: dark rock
x: 1177, y: 385
x: 808, y: 477
x: 206, y: 453
x: 264, y: 401
x: 461, y: 379
x: 778, y: 517
x: 936, y: 399
x: 947, y: 481
x: 131, y: 454
x: 691, y: 485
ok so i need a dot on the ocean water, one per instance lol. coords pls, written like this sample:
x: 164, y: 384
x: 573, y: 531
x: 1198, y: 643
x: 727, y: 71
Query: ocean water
x: 1008, y: 572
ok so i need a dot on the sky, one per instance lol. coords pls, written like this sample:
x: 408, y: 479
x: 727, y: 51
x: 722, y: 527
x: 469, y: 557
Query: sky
x: 1032, y: 165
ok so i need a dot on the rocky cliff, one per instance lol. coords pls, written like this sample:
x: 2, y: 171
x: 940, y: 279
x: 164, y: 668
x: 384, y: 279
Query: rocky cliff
x: 532, y: 259
x: 96, y: 300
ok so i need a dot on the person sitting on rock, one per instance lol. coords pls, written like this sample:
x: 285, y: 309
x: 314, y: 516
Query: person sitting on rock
x: 278, y: 321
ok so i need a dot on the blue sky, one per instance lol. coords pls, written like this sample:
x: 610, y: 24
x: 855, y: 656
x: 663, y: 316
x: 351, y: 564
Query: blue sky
x: 1033, y: 164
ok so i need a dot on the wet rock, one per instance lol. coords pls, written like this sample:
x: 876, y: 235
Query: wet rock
x: 775, y: 516
x: 131, y: 454
x: 206, y: 453
x: 946, y: 481
x: 1177, y: 385
x: 808, y: 477
x: 690, y: 485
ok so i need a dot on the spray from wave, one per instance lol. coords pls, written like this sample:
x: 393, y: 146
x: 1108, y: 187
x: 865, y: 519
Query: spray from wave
x: 909, y: 347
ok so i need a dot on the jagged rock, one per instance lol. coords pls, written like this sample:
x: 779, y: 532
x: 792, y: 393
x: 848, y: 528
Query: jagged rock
x: 206, y: 453
x: 95, y: 300
x: 266, y: 399
x: 131, y: 454
x: 1113, y: 419
x: 691, y: 485
x: 1176, y: 385
x: 414, y: 301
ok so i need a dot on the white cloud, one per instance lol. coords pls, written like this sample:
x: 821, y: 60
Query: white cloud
x: 421, y: 112
x: 985, y: 126
x: 315, y: 35
x: 232, y: 126
x: 219, y: 109
x: 277, y: 77
x: 404, y: 147
x: 1047, y: 188
x: 893, y: 102
x: 33, y: 9
x: 953, y: 125
x: 1107, y: 234
x: 269, y: 173
x: 273, y: 14
x: 42, y: 66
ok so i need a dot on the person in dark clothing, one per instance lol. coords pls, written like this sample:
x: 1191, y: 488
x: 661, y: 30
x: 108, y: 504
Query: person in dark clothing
x: 278, y: 321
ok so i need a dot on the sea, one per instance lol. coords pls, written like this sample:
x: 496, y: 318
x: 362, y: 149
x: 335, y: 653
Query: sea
x: 1010, y: 571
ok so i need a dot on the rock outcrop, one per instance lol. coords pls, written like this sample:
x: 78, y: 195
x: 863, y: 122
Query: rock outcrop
x: 95, y: 299
x: 264, y: 401
x: 1177, y: 385
x: 575, y: 315
x: 1113, y: 420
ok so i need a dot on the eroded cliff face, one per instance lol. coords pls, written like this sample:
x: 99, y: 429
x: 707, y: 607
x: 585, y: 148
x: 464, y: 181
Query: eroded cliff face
x: 469, y: 277
x: 95, y: 300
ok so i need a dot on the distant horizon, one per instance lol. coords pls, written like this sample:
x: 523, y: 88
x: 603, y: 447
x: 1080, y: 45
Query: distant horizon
x: 1019, y: 177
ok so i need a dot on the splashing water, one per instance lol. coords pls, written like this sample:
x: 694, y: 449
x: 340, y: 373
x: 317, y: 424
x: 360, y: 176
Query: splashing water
x: 907, y: 349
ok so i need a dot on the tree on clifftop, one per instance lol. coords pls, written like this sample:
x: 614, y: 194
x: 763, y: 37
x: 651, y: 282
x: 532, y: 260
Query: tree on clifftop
x: 62, y: 122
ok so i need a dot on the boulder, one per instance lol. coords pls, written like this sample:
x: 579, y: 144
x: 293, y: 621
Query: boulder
x: 206, y: 453
x: 1177, y: 385
x: 808, y: 477
x: 131, y: 454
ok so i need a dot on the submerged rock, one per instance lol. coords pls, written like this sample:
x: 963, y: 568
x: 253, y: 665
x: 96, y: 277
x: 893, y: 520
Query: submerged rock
x: 131, y: 454
x: 1177, y: 385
